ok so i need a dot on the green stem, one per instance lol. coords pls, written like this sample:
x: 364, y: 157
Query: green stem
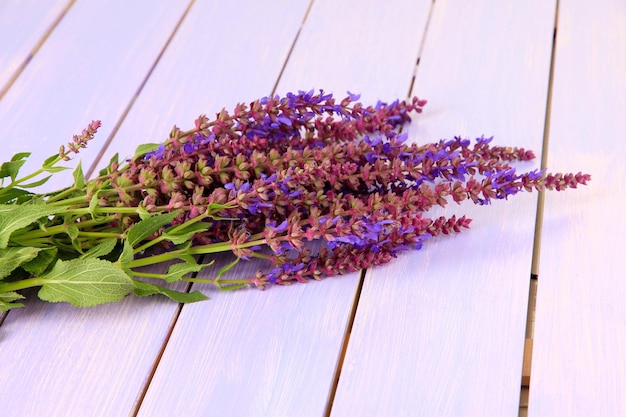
x: 21, y: 284
x: 59, y: 200
x: 61, y: 195
x: 148, y: 244
x: 107, y: 210
x: 148, y: 275
x: 196, y: 250
x: 36, y: 242
x: 260, y: 256
x: 222, y: 284
x: 101, y: 235
x: 218, y: 282
x: 19, y: 236
x: 80, y: 200
x: 155, y: 259
x: 222, y: 247
x: 19, y: 181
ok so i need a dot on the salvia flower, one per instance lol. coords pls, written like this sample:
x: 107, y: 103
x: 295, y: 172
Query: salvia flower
x: 306, y: 185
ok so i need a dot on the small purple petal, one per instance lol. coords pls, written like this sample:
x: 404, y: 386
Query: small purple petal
x: 354, y: 97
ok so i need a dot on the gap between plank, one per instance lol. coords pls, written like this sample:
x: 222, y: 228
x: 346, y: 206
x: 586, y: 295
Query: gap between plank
x: 157, y: 360
x: 21, y: 68
x: 357, y: 296
x: 293, y: 45
x: 179, y: 309
x: 117, y: 126
x: 144, y: 389
x: 344, y: 345
x: 421, y: 48
x: 35, y: 49
x: 534, y: 270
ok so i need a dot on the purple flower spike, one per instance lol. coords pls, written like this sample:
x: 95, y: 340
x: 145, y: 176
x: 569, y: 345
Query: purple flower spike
x: 283, y: 171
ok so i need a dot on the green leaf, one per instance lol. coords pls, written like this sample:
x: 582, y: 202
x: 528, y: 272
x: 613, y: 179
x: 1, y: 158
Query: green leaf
x: 85, y: 283
x: 183, y: 234
x: 79, y: 177
x: 189, y: 258
x: 144, y: 289
x: 44, y: 259
x: 93, y: 204
x: 145, y: 148
x: 126, y: 256
x: 36, y: 183
x: 72, y: 231
x: 101, y: 249
x: 11, y: 169
x: 11, y: 258
x: 107, y: 170
x: 54, y: 170
x: 141, y: 230
x: 6, y: 301
x: 177, y: 271
x: 14, y: 217
x: 50, y: 161
x: 115, y: 159
x: 226, y: 268
x: 11, y: 194
x: 185, y: 257
x: 215, y: 208
x: 20, y: 155
x: 143, y: 213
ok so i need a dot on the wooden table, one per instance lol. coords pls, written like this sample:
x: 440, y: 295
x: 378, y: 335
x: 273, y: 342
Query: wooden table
x: 438, y: 332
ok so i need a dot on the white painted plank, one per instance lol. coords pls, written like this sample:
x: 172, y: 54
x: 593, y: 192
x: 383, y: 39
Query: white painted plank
x: 23, y: 26
x: 210, y: 67
x: 579, y: 365
x: 440, y: 332
x: 275, y: 352
x: 252, y: 352
x: 361, y: 46
x: 89, y: 68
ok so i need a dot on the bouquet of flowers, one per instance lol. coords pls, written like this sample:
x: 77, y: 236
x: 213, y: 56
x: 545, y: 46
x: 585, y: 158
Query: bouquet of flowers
x: 259, y: 182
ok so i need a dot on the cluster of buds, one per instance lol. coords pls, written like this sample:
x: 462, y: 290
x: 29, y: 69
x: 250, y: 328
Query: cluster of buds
x: 307, y: 167
x: 79, y: 141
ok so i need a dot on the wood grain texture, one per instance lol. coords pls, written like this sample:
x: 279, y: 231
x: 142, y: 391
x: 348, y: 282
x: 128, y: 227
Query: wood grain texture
x: 89, y: 68
x: 579, y: 365
x: 252, y: 352
x: 441, y: 331
x: 359, y: 46
x: 527, y: 365
x: 23, y: 26
x: 274, y: 353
